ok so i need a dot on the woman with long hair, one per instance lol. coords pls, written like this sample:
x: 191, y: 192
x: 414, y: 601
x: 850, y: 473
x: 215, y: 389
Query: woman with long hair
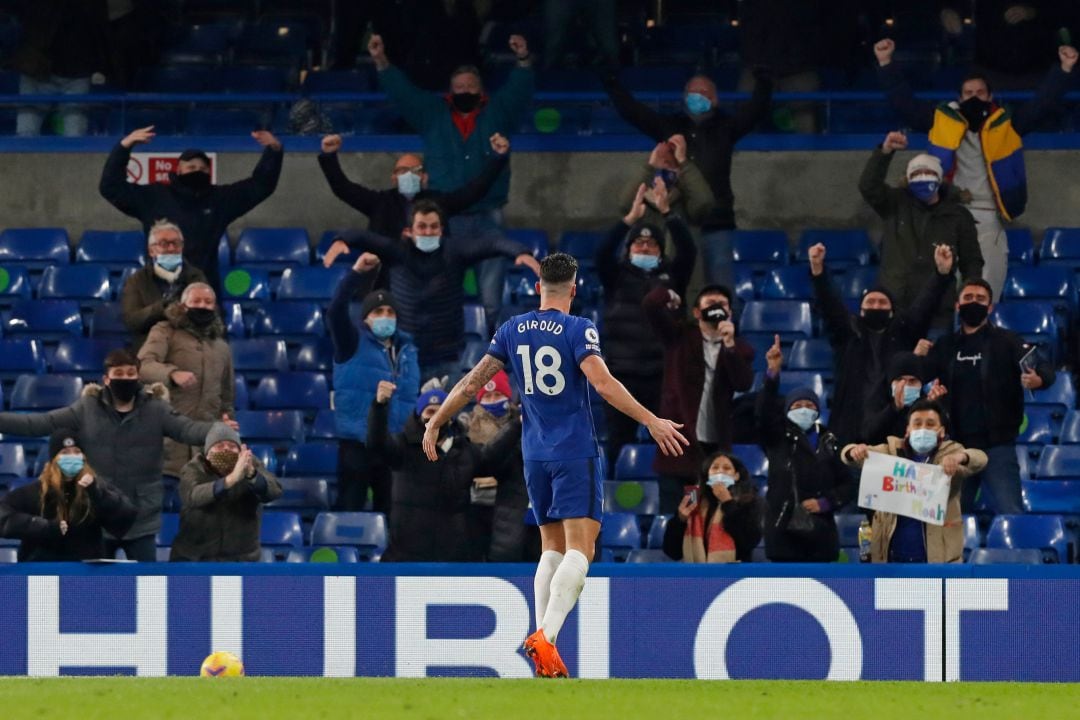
x: 62, y: 517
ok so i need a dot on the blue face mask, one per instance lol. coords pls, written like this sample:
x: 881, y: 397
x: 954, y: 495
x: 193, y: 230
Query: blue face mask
x: 721, y: 479
x: 697, y: 103
x: 804, y: 417
x: 383, y: 327
x: 408, y: 184
x: 496, y: 409
x: 923, y: 441
x: 70, y: 465
x: 911, y: 394
x: 169, y: 262
x: 428, y: 243
x: 645, y: 262
x: 923, y: 189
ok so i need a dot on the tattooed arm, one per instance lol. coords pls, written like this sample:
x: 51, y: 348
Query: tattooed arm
x: 459, y: 397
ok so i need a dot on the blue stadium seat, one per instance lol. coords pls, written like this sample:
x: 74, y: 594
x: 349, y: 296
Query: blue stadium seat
x: 241, y: 401
x: 1024, y: 462
x: 259, y: 355
x: 1061, y: 394
x: 1026, y: 282
x: 170, y: 525
x: 792, y: 379
x: 45, y: 392
x: 787, y: 283
x: 248, y: 286
x: 81, y: 356
x: 1059, y: 461
x: 635, y: 462
x: 116, y: 249
x: 365, y: 531
x: 315, y: 356
x: 21, y: 356
x: 1043, y: 532
x: 762, y: 250
x: 847, y: 525
x: 813, y: 354
x: 312, y: 458
x: 14, y: 285
x: 519, y: 287
x: 973, y: 537
x: 475, y: 320
x: 789, y: 318
x: 339, y: 81
x: 656, y: 532
x: 274, y: 43
x: 343, y: 554
x: 1061, y: 246
x: 233, y: 312
x: 292, y: 391
x: 1005, y: 556
x: 226, y: 121
x: 474, y: 351
x: 844, y: 248
x: 1021, y: 246
x: 1043, y: 425
x: 85, y: 283
x: 647, y: 556
x: 253, y: 79
x: 266, y: 455
x: 1033, y: 320
x: 34, y: 248
x: 12, y: 461
x: 745, y: 288
x: 1051, y: 496
x: 292, y: 321
x: 47, y: 320
x: 533, y: 238
x: 278, y: 427
x: 177, y: 79
x: 1070, y: 429
x: 107, y: 323
x: 582, y: 245
x: 641, y: 497
x: 281, y: 529
x: 9, y: 555
x: 303, y: 493
x: 754, y: 458
x: 310, y: 283
x: 856, y: 281
x: 324, y: 426
x: 166, y: 121
x: 273, y: 248
x: 619, y: 532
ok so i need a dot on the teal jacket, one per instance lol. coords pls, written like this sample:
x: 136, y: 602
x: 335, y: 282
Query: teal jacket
x: 452, y: 161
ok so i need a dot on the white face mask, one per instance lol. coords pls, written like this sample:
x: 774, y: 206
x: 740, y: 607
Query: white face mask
x: 428, y: 243
x: 721, y: 479
x: 408, y: 184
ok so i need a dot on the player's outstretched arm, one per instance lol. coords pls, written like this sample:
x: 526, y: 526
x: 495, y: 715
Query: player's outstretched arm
x: 664, y: 432
x: 458, y: 398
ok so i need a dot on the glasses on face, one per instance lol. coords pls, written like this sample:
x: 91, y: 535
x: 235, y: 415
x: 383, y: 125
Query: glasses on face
x: 169, y: 244
x: 419, y: 170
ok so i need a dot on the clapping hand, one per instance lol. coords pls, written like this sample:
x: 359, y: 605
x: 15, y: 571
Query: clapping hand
x: 637, y: 208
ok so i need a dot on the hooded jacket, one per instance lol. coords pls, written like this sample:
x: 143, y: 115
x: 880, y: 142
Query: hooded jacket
x: 125, y: 450
x: 178, y: 344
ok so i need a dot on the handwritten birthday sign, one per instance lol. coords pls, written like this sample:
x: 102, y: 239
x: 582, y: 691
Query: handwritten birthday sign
x: 894, y: 484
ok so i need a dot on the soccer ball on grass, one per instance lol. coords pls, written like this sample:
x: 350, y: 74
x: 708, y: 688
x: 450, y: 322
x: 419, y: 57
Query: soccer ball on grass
x: 222, y: 664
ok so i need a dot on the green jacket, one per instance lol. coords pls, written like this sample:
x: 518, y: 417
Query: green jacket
x: 452, y: 161
x: 692, y: 197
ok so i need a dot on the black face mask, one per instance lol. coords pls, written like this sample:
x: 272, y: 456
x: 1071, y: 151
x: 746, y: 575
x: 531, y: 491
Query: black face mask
x: 201, y: 317
x: 124, y: 389
x: 197, y: 182
x: 973, y: 314
x: 876, y: 320
x: 714, y: 314
x: 465, y: 102
x: 975, y: 111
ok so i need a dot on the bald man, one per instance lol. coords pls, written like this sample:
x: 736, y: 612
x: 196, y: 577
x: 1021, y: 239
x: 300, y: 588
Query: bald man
x: 388, y: 210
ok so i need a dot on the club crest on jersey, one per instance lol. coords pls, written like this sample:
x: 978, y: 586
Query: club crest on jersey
x: 490, y: 386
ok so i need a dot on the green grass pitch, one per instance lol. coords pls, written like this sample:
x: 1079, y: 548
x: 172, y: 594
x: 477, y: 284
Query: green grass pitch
x: 121, y: 698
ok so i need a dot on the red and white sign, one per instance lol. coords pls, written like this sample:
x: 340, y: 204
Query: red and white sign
x: 147, y: 168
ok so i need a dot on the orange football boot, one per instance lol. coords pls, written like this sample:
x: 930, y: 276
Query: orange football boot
x: 544, y: 656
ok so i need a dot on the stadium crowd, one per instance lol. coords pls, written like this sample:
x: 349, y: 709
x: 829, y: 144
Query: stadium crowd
x: 921, y: 370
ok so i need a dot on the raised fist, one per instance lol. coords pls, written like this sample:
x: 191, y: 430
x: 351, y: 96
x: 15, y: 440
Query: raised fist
x: 894, y: 141
x: 883, y: 50
x: 331, y: 143
x: 519, y: 46
x: 816, y: 255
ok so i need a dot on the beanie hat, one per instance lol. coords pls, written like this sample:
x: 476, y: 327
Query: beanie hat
x: 194, y: 154
x: 646, y: 229
x: 924, y: 163
x: 802, y: 393
x: 376, y: 299
x: 430, y: 397
x: 499, y: 383
x: 60, y: 440
x: 880, y: 289
x: 220, y: 431
x: 904, y: 363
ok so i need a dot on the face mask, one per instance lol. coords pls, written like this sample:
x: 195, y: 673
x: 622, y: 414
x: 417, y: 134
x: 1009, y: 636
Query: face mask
x: 408, y: 184
x: 975, y: 111
x: 383, y: 327
x: 124, y: 389
x: 923, y: 190
x: 645, y: 262
x: 923, y: 441
x: 201, y: 317
x: 465, y: 102
x: 911, y: 394
x: 973, y: 314
x: 715, y: 314
x: 496, y: 409
x: 197, y: 181
x: 428, y: 243
x: 70, y: 465
x: 804, y: 417
x: 223, y: 461
x: 876, y: 320
x: 697, y: 103
x: 169, y: 262
x: 721, y: 479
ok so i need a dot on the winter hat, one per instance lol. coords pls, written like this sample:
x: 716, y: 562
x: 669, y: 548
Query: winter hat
x: 904, y: 363
x: 431, y: 397
x: 883, y: 291
x: 922, y: 163
x: 646, y: 229
x: 195, y: 154
x: 376, y: 299
x: 499, y: 383
x: 803, y: 393
x: 61, y: 440
x: 220, y: 431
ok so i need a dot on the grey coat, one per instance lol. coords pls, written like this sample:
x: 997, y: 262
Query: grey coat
x: 125, y: 451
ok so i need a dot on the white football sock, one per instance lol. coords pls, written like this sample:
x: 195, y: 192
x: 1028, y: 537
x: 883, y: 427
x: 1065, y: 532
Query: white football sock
x: 566, y: 585
x: 545, y: 570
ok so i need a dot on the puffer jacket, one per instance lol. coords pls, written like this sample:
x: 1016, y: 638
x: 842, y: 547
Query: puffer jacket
x: 176, y: 344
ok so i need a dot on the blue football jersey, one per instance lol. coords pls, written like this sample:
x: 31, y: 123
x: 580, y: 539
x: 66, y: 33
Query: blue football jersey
x: 543, y: 350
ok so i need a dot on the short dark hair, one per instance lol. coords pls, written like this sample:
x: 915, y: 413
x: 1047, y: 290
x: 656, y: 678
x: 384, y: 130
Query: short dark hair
x: 713, y: 290
x: 119, y: 358
x: 978, y: 282
x: 975, y: 76
x: 468, y: 70
x: 426, y: 207
x: 924, y: 405
x: 558, y: 268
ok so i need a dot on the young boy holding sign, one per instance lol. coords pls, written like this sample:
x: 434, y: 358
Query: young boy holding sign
x: 897, y: 537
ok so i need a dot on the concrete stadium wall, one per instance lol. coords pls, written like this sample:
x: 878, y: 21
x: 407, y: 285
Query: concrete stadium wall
x: 554, y: 191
